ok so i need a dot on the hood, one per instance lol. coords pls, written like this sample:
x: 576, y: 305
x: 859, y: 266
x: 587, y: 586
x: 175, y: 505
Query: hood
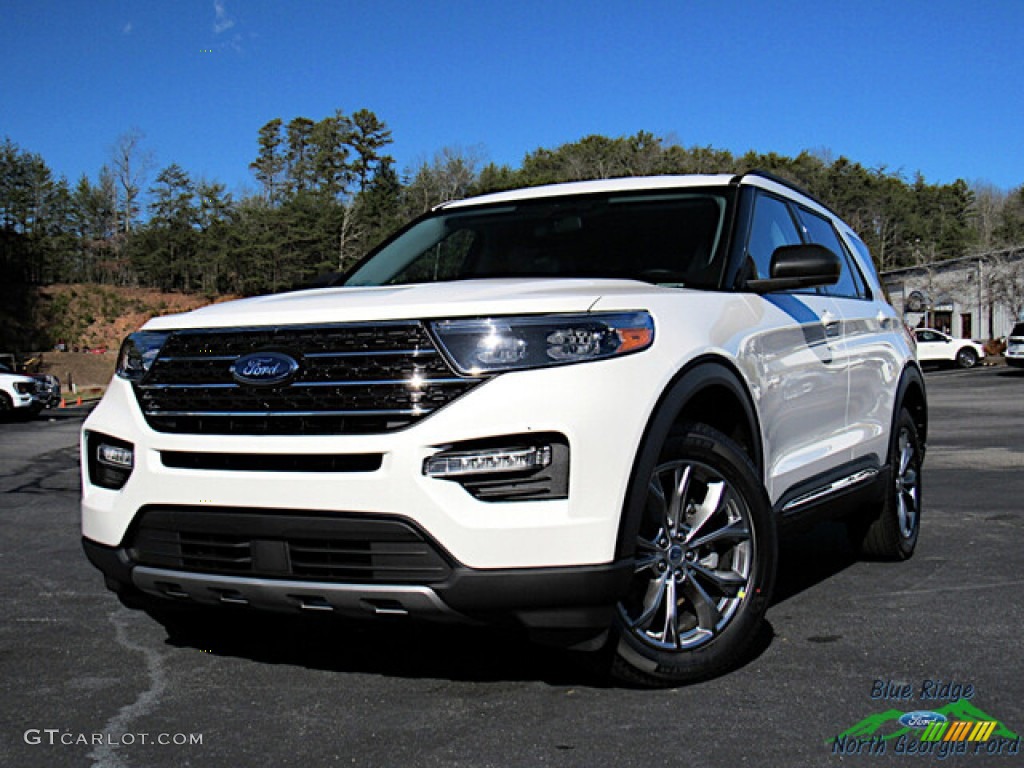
x: 466, y: 298
x: 11, y: 378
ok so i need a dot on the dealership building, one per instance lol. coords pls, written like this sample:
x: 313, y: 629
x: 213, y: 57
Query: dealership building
x: 973, y: 297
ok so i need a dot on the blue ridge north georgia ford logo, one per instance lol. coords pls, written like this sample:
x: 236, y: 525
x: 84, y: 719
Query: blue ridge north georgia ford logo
x: 264, y: 368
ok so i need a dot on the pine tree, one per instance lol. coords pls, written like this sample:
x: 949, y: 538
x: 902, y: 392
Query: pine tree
x: 369, y: 135
x: 269, y: 165
x: 299, y: 155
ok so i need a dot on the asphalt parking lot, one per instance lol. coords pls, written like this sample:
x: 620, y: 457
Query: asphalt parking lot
x: 86, y: 682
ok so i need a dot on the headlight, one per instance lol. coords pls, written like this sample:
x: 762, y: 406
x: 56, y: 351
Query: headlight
x: 494, y: 344
x: 138, y: 352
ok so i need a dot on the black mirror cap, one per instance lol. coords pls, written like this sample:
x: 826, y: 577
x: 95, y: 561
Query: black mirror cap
x: 799, y: 266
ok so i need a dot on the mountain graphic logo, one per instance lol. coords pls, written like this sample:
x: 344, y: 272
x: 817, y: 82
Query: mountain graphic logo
x: 886, y: 725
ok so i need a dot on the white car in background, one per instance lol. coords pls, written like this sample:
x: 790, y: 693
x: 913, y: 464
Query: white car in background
x: 937, y: 347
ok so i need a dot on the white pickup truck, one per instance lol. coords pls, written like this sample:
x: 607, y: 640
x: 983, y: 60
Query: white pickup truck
x: 18, y: 394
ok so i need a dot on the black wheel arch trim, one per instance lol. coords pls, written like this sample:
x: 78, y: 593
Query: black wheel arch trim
x: 697, y: 376
x: 912, y: 377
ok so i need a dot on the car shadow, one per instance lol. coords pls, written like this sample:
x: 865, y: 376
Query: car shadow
x: 808, y: 557
x: 413, y: 650
x: 405, y: 648
x: 392, y: 647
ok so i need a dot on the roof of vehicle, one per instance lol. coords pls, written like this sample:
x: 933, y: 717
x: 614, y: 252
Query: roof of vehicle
x: 597, y: 186
x: 638, y: 184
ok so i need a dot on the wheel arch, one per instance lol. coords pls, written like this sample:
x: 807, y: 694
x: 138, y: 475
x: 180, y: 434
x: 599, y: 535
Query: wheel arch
x: 710, y: 391
x: 911, y: 393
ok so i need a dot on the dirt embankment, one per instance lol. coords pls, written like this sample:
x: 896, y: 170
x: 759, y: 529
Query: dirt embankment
x: 82, y: 317
x: 79, y: 370
x: 85, y: 324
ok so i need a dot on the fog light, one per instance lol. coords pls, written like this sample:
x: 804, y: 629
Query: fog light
x: 487, y: 461
x: 115, y: 456
x: 110, y: 460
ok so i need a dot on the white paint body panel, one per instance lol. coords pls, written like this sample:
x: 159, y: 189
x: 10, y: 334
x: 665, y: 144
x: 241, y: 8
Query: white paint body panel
x: 601, y: 407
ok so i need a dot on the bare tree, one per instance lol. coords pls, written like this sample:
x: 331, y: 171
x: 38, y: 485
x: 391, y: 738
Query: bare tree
x: 448, y: 177
x: 1006, y: 280
x: 351, y: 234
x: 988, y: 204
x: 131, y: 165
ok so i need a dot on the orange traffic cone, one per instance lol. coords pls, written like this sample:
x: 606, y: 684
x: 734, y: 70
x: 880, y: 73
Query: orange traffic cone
x: 62, y: 404
x: 79, y: 400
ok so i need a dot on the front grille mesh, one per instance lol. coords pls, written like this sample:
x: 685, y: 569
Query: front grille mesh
x: 225, y: 554
x: 353, y: 379
x: 286, y: 545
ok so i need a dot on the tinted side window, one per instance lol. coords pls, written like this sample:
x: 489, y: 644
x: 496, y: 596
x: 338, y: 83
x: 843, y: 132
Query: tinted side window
x: 772, y: 226
x: 819, y: 230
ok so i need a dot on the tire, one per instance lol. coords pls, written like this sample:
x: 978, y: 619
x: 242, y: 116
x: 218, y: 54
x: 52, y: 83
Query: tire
x: 966, y: 358
x: 892, y: 530
x: 705, y: 565
x: 5, y: 405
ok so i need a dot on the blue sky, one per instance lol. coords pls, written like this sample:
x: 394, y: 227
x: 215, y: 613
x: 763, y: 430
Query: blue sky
x: 935, y: 87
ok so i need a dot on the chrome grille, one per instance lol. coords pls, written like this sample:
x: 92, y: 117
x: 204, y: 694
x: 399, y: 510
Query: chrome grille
x: 353, y: 379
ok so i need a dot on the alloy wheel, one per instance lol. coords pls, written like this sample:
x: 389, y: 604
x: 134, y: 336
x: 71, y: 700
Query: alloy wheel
x: 908, y: 496
x: 694, y: 558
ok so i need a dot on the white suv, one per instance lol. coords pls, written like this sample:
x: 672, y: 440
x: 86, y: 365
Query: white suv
x: 937, y: 347
x: 1015, y: 347
x: 584, y: 408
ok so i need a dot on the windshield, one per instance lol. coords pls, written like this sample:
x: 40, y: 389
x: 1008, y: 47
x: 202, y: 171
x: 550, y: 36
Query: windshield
x: 673, y: 239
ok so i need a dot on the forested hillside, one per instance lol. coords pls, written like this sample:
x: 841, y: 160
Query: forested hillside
x: 326, y: 191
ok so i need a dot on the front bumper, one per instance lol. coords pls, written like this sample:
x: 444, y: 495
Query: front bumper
x: 49, y: 399
x: 25, y: 402
x: 600, y: 409
x: 557, y: 599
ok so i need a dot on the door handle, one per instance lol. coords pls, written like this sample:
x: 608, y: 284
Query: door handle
x: 832, y: 324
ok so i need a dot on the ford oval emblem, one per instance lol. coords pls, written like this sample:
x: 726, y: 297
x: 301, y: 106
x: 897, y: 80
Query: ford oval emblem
x: 264, y: 368
x: 921, y: 719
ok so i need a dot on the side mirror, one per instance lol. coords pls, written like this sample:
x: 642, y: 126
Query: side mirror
x: 799, y: 266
